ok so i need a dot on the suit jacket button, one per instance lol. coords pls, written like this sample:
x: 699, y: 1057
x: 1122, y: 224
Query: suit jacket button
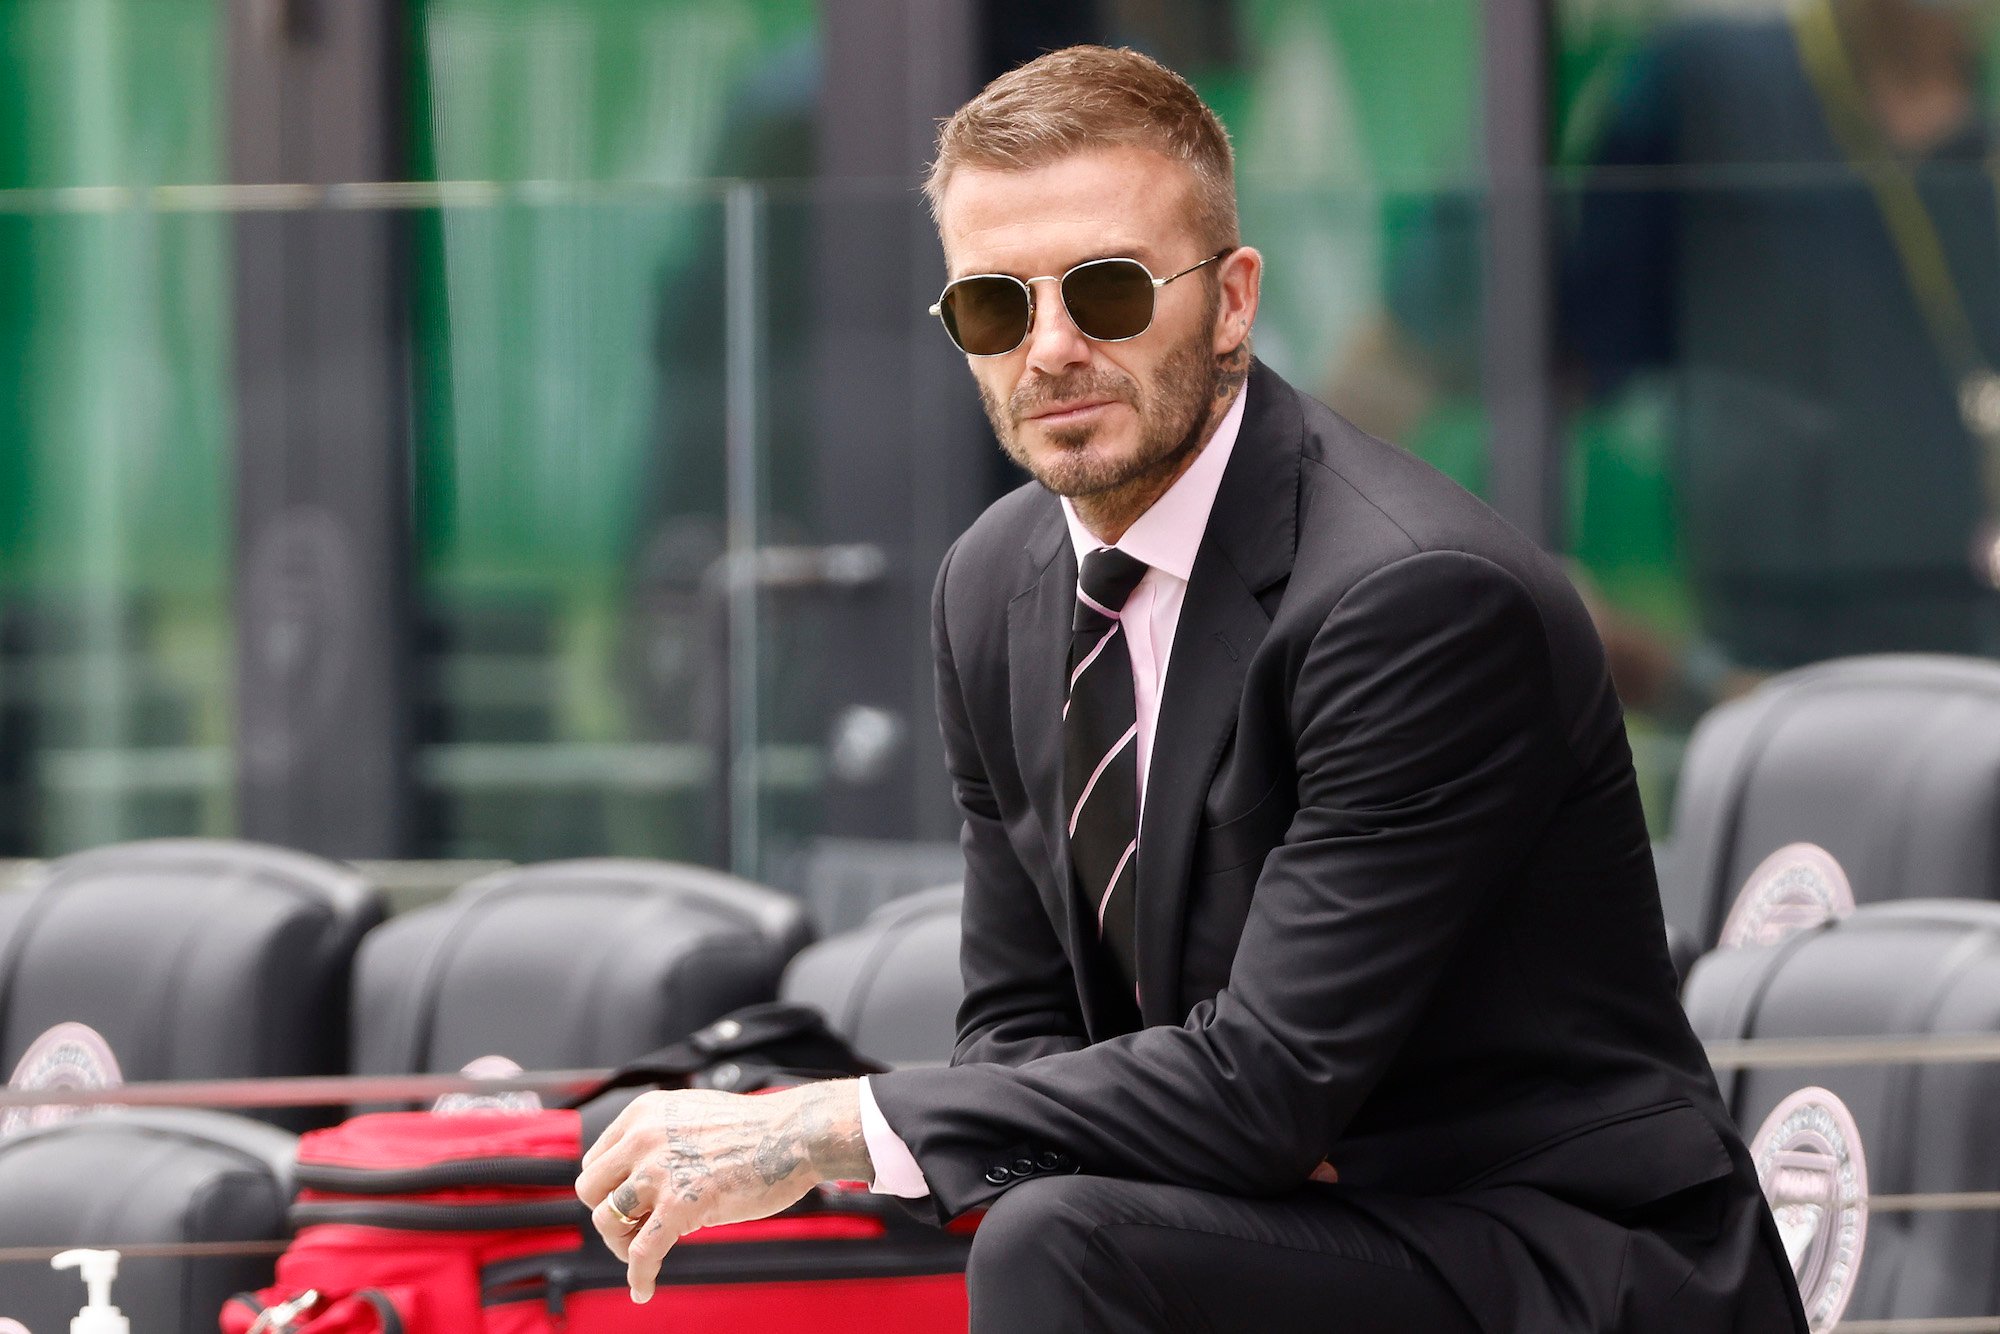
x: 1024, y: 1167
x: 1049, y: 1160
x: 999, y: 1176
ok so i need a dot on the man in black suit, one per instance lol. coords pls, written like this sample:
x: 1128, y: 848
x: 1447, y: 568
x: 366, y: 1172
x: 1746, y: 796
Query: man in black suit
x: 1315, y: 972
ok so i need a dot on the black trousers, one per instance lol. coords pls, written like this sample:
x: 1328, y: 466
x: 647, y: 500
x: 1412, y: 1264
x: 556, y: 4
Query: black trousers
x: 1082, y: 1253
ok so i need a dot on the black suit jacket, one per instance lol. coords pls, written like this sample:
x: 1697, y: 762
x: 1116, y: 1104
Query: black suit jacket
x: 1396, y: 904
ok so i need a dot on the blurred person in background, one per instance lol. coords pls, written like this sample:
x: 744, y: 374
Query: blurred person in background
x: 1786, y: 241
x: 1830, y: 336
x: 1319, y: 981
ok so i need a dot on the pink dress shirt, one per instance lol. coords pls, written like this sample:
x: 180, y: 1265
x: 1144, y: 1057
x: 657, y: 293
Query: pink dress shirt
x: 1166, y: 537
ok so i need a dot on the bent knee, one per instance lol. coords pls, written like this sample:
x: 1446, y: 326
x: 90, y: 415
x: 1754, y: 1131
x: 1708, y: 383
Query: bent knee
x: 1038, y: 1225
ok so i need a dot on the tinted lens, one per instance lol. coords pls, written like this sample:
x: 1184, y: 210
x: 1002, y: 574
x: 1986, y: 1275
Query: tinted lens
x: 985, y: 316
x: 1109, y: 299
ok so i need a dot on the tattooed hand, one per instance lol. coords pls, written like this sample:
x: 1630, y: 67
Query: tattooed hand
x: 674, y: 1162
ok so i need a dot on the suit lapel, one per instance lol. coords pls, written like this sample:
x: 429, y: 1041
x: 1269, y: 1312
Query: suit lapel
x: 1247, y: 548
x: 1038, y: 622
x: 1037, y: 645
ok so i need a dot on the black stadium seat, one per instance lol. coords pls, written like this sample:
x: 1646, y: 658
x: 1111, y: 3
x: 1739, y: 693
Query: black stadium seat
x: 154, y: 1175
x: 891, y: 986
x: 191, y: 958
x: 166, y: 959
x: 1914, y: 968
x: 567, y: 965
x: 1890, y: 763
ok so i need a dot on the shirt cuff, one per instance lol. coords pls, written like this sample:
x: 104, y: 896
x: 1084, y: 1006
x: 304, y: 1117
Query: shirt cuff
x: 896, y: 1170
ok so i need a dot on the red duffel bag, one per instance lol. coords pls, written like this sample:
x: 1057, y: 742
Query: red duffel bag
x: 399, y: 1212
x: 840, y: 1264
x: 419, y: 1223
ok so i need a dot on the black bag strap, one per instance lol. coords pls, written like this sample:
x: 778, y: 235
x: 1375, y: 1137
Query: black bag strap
x: 758, y: 1046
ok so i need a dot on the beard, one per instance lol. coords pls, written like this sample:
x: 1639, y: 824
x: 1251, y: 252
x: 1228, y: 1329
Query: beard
x: 1173, y: 411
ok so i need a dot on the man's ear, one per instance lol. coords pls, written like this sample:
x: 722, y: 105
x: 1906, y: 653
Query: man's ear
x: 1242, y: 277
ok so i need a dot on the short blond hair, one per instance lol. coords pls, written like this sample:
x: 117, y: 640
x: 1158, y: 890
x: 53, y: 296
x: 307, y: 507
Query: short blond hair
x: 1085, y: 98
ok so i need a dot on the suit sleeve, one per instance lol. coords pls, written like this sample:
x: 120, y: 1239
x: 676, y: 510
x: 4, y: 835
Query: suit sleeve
x: 1020, y: 998
x: 1430, y: 754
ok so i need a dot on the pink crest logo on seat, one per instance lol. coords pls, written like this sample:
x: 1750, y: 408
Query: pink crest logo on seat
x: 1815, y: 1176
x: 67, y: 1056
x: 520, y: 1101
x: 1796, y: 888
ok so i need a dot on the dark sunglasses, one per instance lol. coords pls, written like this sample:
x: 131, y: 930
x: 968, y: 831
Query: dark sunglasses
x: 1109, y: 300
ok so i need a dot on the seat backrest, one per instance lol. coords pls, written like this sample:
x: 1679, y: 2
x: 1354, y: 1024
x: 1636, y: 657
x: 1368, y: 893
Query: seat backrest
x: 1891, y: 763
x: 192, y: 958
x: 846, y: 879
x: 891, y: 986
x: 166, y: 1176
x: 568, y: 965
x: 1914, y: 968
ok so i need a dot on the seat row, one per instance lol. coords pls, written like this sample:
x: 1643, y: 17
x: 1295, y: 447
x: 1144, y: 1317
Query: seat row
x: 1910, y: 968
x: 198, y: 960
x: 1891, y: 766
x: 201, y: 959
x: 1890, y: 762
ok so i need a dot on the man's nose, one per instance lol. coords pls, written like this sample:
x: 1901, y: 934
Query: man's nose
x: 1054, y: 343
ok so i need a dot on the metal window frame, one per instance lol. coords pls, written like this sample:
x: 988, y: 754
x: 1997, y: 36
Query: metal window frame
x: 1517, y: 316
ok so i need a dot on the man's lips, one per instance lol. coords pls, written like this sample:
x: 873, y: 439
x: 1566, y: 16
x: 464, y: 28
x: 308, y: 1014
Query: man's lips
x: 1058, y: 413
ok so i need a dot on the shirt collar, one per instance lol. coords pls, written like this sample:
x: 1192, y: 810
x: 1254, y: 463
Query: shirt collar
x: 1168, y: 534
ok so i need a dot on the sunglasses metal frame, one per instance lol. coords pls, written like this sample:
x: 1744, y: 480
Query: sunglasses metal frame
x: 1026, y: 285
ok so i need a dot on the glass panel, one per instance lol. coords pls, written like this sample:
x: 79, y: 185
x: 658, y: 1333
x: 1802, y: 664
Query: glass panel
x: 1773, y: 219
x: 685, y: 452
x: 1366, y: 212
x: 1358, y: 134
x: 573, y: 418
x: 876, y: 457
x: 115, y: 525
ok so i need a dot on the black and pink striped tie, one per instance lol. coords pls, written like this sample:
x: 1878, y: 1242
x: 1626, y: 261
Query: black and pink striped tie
x: 1101, y: 751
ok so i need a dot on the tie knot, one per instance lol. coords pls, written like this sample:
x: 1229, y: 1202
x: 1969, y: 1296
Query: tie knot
x: 1104, y: 583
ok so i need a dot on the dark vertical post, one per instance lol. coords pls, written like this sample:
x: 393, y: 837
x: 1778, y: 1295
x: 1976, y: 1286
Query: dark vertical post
x: 744, y: 445
x: 1525, y: 458
x: 322, y: 498
x: 904, y: 457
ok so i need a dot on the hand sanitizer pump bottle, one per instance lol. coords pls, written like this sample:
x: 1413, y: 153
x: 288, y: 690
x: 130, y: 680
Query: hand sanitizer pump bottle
x: 98, y: 1268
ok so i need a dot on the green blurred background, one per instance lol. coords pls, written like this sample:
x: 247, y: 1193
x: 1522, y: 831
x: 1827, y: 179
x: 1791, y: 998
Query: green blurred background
x: 566, y: 296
